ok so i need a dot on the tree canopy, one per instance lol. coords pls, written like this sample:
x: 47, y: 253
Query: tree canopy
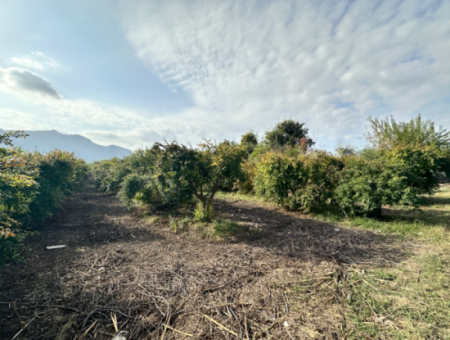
x: 289, y: 132
x: 388, y: 133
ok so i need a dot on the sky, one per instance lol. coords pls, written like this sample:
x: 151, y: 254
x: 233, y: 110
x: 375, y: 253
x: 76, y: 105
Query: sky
x: 131, y: 73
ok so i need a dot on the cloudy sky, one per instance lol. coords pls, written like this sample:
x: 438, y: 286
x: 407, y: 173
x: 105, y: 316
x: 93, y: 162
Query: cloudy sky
x: 134, y: 72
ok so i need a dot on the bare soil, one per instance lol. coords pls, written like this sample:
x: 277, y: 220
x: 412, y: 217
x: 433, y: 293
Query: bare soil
x: 121, y: 273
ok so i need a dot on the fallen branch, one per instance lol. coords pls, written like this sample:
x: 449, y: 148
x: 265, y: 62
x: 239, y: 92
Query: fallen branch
x: 173, y: 329
x: 218, y: 324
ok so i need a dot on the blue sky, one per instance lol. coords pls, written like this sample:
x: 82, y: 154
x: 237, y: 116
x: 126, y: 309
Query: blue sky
x: 134, y: 72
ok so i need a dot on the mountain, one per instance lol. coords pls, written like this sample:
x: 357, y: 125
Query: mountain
x: 83, y: 147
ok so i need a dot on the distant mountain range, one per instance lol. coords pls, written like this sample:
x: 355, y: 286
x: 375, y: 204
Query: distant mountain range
x: 82, y: 147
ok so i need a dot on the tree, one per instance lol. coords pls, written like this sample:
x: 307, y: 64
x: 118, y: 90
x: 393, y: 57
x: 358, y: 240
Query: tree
x: 388, y: 133
x: 15, y: 175
x: 387, y: 177
x: 249, y: 138
x: 289, y: 132
x: 299, y: 180
x: 182, y: 171
x: 417, y: 133
x: 17, y: 190
x: 346, y: 149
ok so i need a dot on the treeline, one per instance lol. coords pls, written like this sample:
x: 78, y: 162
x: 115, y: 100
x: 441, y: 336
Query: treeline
x: 401, y: 162
x: 32, y: 188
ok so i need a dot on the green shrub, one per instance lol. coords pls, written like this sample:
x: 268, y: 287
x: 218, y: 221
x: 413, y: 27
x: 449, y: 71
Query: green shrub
x: 12, y: 247
x: 183, y: 172
x: 32, y: 187
x: 299, y: 180
x: 109, y: 174
x: 139, y: 188
x: 59, y: 174
x: 398, y: 176
x: 247, y: 184
x: 18, y: 189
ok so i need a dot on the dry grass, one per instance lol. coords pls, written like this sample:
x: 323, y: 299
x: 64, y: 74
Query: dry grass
x: 257, y: 272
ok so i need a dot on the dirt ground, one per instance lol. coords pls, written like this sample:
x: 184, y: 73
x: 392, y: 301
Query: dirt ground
x: 120, y: 272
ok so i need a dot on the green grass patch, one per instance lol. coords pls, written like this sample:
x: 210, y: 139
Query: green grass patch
x: 404, y: 303
x: 242, y: 197
x: 411, y: 301
x: 219, y: 230
x: 432, y: 222
x: 223, y: 228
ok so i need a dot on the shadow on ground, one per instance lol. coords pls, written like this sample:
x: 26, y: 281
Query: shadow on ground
x: 290, y: 234
x: 118, y: 267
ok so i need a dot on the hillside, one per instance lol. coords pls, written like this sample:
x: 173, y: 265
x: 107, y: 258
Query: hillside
x: 83, y: 147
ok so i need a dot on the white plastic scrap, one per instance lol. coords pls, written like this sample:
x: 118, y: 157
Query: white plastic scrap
x: 55, y: 247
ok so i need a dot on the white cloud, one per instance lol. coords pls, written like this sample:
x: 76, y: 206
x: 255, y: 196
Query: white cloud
x: 105, y: 124
x: 17, y: 120
x: 35, y: 61
x: 28, y: 63
x: 18, y: 80
x: 249, y: 63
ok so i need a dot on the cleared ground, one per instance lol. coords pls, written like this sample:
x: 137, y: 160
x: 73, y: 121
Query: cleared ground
x: 258, y: 273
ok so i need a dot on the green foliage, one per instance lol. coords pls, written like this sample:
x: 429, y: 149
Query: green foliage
x: 17, y: 190
x: 289, y: 132
x: 246, y: 185
x: 203, y: 214
x: 170, y: 175
x: 248, y: 142
x: 132, y: 178
x: 60, y: 174
x: 398, y: 176
x: 139, y: 188
x: 109, y: 174
x: 174, y: 168
x: 404, y: 165
x: 299, y: 180
x: 388, y: 134
x: 32, y: 187
x: 185, y: 171
x: 346, y: 150
x: 249, y: 138
x: 12, y: 247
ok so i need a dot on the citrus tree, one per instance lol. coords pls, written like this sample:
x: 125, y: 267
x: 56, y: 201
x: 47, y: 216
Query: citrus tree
x: 182, y: 171
x: 386, y: 177
x: 301, y: 181
x: 289, y: 132
x: 16, y: 177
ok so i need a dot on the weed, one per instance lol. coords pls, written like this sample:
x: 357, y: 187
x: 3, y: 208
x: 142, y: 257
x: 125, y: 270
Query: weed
x: 173, y: 224
x: 202, y: 214
x: 225, y: 229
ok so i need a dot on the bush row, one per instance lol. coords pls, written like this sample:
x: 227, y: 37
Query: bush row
x: 356, y: 184
x: 32, y: 188
x: 170, y: 175
x: 401, y: 163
